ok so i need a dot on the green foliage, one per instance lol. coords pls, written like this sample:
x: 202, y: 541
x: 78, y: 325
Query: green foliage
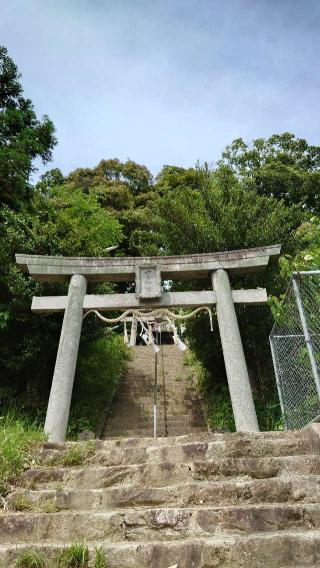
x: 76, y: 224
x: 125, y: 189
x: 68, y: 222
x: 32, y: 558
x: 283, y: 166
x: 308, y: 258
x: 269, y: 413
x: 110, y: 173
x: 76, y: 556
x: 222, y: 215
x: 19, y: 439
x: 173, y: 178
x: 102, y: 363
x: 23, y: 137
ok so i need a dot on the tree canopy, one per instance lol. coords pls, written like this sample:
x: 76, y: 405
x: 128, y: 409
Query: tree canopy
x: 281, y: 166
x: 23, y: 137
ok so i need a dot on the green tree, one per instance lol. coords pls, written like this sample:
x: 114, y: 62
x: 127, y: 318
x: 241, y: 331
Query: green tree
x: 126, y: 190
x: 174, y: 177
x: 67, y: 223
x: 281, y: 166
x: 223, y: 215
x: 23, y: 137
x: 308, y: 258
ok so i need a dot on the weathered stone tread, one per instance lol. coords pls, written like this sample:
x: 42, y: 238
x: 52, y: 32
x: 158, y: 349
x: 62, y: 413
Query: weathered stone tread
x: 200, y: 500
x: 279, y: 549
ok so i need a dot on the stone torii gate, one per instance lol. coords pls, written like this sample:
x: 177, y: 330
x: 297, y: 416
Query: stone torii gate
x: 147, y: 272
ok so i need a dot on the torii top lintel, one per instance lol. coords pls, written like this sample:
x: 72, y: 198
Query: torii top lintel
x: 114, y: 269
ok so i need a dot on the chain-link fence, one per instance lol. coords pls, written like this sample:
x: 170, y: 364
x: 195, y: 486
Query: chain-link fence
x: 295, y: 346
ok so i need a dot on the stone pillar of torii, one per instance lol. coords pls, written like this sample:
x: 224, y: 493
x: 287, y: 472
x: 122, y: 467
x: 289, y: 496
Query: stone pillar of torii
x: 148, y: 273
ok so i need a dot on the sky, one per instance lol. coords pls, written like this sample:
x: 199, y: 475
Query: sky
x: 166, y: 81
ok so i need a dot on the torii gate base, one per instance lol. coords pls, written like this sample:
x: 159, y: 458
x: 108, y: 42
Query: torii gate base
x: 148, y: 272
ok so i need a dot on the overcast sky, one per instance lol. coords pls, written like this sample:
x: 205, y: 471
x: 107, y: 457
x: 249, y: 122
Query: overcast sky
x: 166, y: 81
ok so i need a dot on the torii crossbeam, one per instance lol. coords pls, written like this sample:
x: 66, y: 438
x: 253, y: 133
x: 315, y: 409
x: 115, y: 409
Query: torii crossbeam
x: 148, y: 273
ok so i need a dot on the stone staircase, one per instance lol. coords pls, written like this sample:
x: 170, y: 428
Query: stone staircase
x: 179, y: 405
x: 195, y: 501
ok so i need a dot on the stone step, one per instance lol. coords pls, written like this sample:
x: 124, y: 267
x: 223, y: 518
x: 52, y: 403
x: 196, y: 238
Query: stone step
x: 142, y: 433
x: 276, y: 549
x: 142, y: 372
x: 138, y: 421
x: 146, y: 389
x: 199, y: 501
x: 174, y: 377
x: 147, y: 442
x: 281, y: 436
x: 161, y: 415
x: 145, y: 364
x: 258, y: 447
x: 146, y: 422
x: 189, y: 494
x: 196, y: 445
x: 215, y: 436
x: 132, y: 408
x: 156, y: 523
x: 172, y: 407
x: 146, y: 402
x: 158, y: 474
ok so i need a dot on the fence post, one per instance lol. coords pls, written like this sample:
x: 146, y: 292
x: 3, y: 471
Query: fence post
x: 275, y: 366
x: 306, y: 333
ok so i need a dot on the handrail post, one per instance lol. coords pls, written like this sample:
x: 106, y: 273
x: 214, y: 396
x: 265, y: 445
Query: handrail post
x: 155, y: 391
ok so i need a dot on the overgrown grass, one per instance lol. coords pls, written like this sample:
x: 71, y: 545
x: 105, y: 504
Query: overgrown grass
x: 20, y: 502
x: 100, y: 560
x: 75, y: 455
x: 101, y: 363
x: 218, y: 403
x: 32, y: 559
x: 76, y: 556
x: 19, y: 439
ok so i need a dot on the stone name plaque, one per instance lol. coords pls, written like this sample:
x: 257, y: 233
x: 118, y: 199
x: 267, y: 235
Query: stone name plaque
x: 148, y: 282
